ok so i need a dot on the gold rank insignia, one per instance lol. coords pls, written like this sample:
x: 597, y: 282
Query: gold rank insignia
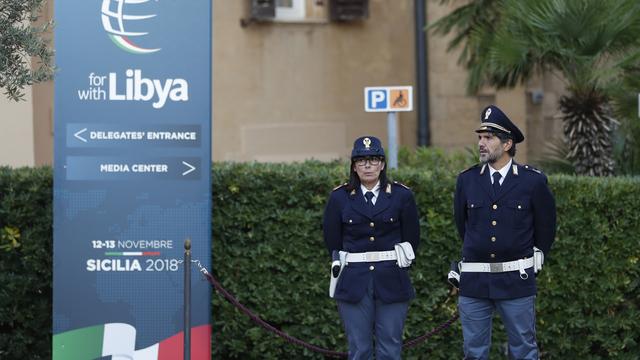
x: 403, y: 185
x: 388, y: 189
x: 353, y: 192
x: 339, y: 186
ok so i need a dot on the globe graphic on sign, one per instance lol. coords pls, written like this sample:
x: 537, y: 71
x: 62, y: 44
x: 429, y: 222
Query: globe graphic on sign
x: 114, y: 19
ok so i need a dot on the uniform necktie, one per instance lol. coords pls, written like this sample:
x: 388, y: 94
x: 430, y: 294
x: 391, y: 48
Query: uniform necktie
x: 369, y: 196
x: 496, y: 182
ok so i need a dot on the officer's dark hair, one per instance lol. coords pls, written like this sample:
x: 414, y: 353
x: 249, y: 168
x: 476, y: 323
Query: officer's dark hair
x: 503, y: 139
x: 354, y: 180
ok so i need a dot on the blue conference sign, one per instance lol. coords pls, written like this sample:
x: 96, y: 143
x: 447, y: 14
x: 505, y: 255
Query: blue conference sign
x: 132, y: 177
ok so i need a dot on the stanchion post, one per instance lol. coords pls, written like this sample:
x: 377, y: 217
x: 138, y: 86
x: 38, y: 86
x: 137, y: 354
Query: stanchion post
x: 187, y: 299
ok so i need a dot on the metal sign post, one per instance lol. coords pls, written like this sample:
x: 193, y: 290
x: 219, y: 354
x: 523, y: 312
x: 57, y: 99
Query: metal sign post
x: 392, y: 129
x: 187, y: 300
x: 389, y: 99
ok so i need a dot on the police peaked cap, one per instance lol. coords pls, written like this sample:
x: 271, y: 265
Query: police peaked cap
x: 367, y: 146
x: 492, y: 119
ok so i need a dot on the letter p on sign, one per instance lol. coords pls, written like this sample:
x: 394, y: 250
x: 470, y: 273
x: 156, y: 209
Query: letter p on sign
x: 378, y: 99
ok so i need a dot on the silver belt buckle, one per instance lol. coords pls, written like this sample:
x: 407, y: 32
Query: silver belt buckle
x: 372, y: 256
x: 496, y: 267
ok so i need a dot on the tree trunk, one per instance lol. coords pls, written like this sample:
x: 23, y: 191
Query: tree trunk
x: 588, y: 126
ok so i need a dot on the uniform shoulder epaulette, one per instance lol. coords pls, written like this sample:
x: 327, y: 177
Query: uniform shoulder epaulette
x: 403, y: 185
x: 339, y: 186
x: 469, y: 168
x: 531, y: 168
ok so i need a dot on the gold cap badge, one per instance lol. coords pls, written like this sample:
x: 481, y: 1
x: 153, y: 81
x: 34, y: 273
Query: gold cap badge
x: 366, y: 142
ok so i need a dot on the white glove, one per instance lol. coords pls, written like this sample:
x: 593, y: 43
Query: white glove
x: 404, y: 254
x: 538, y: 259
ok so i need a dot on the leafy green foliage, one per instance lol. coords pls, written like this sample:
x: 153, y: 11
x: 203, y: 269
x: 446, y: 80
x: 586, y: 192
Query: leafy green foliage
x: 25, y: 270
x: 9, y: 238
x: 590, y: 296
x: 506, y: 41
x: 268, y: 251
x: 436, y: 159
x: 22, y: 43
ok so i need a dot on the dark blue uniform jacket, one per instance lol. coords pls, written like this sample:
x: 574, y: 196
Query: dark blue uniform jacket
x: 502, y: 227
x: 350, y: 226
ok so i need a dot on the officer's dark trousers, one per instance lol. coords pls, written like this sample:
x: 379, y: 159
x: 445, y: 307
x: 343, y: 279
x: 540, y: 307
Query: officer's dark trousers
x: 372, y: 319
x: 519, y: 319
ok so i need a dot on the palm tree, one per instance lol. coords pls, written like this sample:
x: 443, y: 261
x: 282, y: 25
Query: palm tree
x: 587, y: 43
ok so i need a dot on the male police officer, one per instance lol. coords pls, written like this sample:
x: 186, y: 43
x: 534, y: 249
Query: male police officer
x: 502, y: 211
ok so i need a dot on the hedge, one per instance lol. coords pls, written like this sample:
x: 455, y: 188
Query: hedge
x: 268, y: 251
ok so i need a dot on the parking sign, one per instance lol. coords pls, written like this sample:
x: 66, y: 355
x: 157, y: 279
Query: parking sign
x: 388, y: 98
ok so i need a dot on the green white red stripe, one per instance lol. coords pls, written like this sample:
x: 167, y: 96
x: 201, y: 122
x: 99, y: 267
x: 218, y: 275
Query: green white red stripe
x: 133, y: 253
x: 118, y: 340
x: 125, y: 44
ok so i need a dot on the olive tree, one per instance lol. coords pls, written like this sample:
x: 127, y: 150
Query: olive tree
x: 25, y: 54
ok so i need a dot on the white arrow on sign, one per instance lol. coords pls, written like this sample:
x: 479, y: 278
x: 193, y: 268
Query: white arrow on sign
x: 191, y: 168
x: 77, y: 135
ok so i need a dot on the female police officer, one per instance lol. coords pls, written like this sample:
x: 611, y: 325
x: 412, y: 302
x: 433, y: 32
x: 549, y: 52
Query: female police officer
x: 371, y: 226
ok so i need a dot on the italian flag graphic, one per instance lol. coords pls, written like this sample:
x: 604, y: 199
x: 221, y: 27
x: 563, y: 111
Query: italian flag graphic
x: 118, y: 340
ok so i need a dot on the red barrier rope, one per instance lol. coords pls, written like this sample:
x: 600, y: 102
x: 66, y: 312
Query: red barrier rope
x: 337, y: 354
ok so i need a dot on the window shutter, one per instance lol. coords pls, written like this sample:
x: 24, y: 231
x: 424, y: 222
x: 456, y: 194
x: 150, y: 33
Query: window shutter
x: 349, y: 10
x: 263, y: 9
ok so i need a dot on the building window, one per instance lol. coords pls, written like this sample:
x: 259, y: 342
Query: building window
x: 349, y: 10
x: 290, y: 10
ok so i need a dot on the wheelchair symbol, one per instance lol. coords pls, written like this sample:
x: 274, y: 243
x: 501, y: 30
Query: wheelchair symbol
x: 400, y: 100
